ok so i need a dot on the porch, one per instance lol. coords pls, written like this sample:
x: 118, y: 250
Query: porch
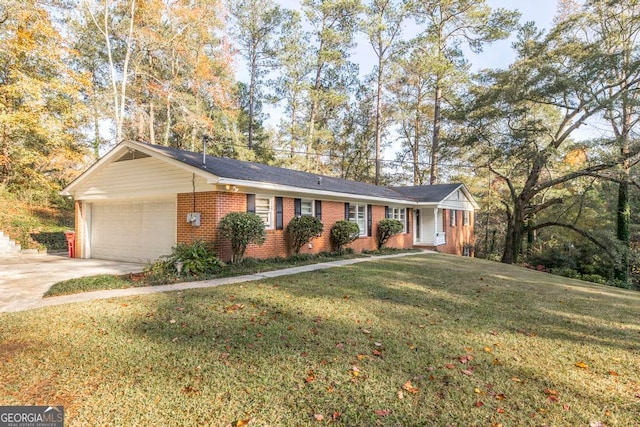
x: 429, y: 228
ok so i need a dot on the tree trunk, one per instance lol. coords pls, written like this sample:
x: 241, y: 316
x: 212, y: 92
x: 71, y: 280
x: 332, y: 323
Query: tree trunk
x: 514, y: 235
x: 167, y: 129
x: 379, y: 119
x: 152, y: 120
x: 623, y: 230
x: 435, y: 141
x: 252, y: 94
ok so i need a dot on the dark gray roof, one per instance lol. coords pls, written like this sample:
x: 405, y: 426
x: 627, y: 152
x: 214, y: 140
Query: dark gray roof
x: 428, y: 193
x: 257, y: 172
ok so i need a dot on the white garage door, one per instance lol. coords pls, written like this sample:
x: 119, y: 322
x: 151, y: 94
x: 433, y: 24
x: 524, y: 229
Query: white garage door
x: 137, y: 231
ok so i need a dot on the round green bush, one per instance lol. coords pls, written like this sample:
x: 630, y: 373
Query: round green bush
x: 242, y: 229
x: 342, y: 233
x: 386, y: 229
x: 301, y: 230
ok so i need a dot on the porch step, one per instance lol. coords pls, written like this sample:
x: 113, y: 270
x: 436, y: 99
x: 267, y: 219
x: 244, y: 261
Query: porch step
x: 8, y: 246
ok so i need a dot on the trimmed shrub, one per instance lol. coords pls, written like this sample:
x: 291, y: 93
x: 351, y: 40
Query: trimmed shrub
x: 242, y: 229
x: 386, y: 229
x: 342, y: 233
x: 301, y: 230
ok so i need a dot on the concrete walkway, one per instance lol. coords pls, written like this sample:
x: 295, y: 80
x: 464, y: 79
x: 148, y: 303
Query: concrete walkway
x: 31, y: 303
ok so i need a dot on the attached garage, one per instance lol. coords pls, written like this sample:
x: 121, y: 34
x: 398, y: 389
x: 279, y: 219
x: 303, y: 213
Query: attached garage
x: 140, y: 230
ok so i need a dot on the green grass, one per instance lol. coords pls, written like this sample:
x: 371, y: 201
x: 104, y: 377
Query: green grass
x: 480, y: 343
x: 249, y: 266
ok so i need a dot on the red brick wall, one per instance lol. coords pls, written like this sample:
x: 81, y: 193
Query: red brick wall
x: 215, y: 205
x: 458, y: 235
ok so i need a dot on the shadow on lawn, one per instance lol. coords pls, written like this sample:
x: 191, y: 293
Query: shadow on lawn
x: 290, y: 345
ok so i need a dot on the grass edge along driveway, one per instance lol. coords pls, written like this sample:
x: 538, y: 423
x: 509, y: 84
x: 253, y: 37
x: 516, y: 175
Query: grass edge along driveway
x: 419, y: 340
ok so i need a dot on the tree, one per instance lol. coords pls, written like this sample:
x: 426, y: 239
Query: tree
x: 41, y: 112
x: 383, y: 25
x: 333, y: 23
x: 241, y: 229
x: 522, y: 121
x: 256, y: 28
x: 617, y: 26
x: 450, y: 24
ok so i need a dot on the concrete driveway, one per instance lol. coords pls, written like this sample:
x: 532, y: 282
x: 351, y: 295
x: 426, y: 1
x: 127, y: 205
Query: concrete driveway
x: 25, y: 278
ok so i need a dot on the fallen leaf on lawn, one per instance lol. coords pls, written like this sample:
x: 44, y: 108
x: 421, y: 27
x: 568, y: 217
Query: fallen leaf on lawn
x: 613, y: 373
x: 497, y: 362
x: 516, y: 379
x: 190, y: 391
x: 409, y: 387
x: 310, y: 377
x: 233, y: 307
x: 377, y: 344
x: 172, y: 321
x: 366, y: 331
x: 125, y: 305
x: 553, y: 398
x: 377, y: 352
x: 582, y: 365
x: 597, y: 424
x: 382, y: 412
x: 336, y: 415
x: 550, y: 392
x: 477, y: 391
x: 500, y: 410
x: 319, y: 417
x: 479, y: 404
x: 496, y: 424
x: 340, y: 345
x: 488, y: 349
x: 361, y: 356
x: 240, y: 423
x: 355, y: 371
x: 400, y: 395
x: 566, y: 407
x: 224, y: 355
x: 450, y: 366
x: 468, y: 371
x: 500, y: 396
x: 330, y: 389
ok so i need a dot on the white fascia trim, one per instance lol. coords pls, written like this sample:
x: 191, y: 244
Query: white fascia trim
x: 108, y: 158
x: 278, y: 188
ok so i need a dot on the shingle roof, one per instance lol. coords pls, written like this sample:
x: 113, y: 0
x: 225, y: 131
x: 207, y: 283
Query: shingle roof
x: 257, y: 172
x: 428, y: 193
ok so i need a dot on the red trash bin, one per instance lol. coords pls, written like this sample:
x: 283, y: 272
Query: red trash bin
x: 71, y: 243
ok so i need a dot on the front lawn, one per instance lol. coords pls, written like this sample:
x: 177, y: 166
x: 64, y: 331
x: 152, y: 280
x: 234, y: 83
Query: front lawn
x: 420, y: 340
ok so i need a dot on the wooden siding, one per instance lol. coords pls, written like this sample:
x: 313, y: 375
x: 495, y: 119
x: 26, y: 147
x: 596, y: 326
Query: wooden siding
x: 147, y: 177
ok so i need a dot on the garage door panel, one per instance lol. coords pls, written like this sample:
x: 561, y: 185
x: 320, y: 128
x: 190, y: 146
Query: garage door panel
x: 133, y: 231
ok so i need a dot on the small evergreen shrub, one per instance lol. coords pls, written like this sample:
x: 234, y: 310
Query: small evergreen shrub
x: 386, y: 229
x: 342, y: 233
x: 242, y: 229
x: 301, y: 230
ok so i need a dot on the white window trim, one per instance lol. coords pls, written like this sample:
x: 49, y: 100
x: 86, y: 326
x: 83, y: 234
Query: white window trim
x: 313, y: 207
x: 466, y: 218
x: 269, y: 225
x: 453, y: 218
x: 394, y: 213
x: 363, y: 230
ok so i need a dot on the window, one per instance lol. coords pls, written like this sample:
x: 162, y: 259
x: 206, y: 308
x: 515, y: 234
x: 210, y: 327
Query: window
x: 466, y: 215
x: 306, y: 208
x: 264, y: 210
x: 358, y: 214
x: 452, y: 217
x: 400, y: 214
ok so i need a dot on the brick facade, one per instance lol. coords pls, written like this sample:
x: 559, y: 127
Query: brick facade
x: 458, y: 235
x: 213, y: 206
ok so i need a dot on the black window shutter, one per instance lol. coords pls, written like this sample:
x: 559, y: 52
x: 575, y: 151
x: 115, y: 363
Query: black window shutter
x: 297, y: 207
x: 386, y: 211
x: 279, y: 224
x: 369, y: 220
x: 346, y: 211
x: 407, y: 212
x: 251, y: 203
x: 319, y: 209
